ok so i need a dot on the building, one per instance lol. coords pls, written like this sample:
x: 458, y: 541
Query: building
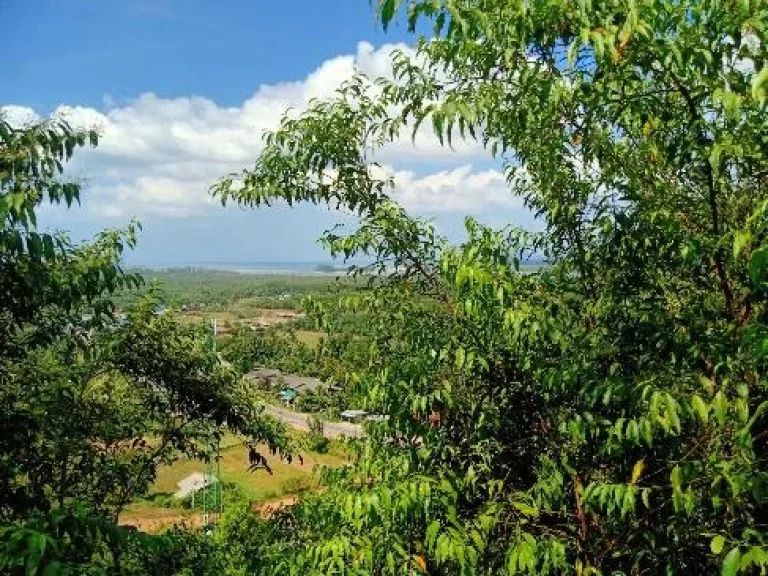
x: 302, y: 384
x: 353, y: 415
x: 193, y: 483
x: 266, y: 375
x: 288, y: 396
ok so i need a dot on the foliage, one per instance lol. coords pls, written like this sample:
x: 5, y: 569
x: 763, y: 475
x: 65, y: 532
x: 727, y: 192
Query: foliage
x: 272, y: 347
x: 317, y: 440
x: 606, y: 413
x: 194, y: 287
x: 212, y: 498
x: 316, y: 401
x: 300, y: 484
x: 177, y: 552
x: 59, y: 542
x: 91, y: 403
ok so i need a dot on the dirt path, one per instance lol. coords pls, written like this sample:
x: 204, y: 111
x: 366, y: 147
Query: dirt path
x: 161, y: 518
x: 300, y: 421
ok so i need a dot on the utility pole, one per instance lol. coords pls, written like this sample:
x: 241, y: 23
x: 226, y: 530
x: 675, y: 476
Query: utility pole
x: 213, y: 501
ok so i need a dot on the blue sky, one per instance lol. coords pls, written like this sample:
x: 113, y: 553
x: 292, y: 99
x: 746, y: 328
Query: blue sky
x: 181, y: 91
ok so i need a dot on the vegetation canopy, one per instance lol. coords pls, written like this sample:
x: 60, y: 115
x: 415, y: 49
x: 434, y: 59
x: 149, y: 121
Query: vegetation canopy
x: 607, y: 413
x: 91, y: 402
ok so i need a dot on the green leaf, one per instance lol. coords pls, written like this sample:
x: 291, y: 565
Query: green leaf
x: 674, y: 478
x: 431, y: 534
x: 760, y: 85
x: 391, y: 562
x: 387, y: 11
x: 460, y: 358
x: 758, y: 264
x: 700, y: 407
x: 740, y: 241
x: 716, y: 545
x: 720, y: 405
x: 731, y: 563
x: 54, y: 569
x: 36, y: 544
x: 525, y: 509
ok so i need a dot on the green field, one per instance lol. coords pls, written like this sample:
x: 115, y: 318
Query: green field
x: 236, y: 292
x: 286, y: 480
x: 257, y: 486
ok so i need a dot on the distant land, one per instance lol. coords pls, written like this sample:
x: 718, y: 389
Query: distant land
x: 298, y: 268
x: 292, y: 268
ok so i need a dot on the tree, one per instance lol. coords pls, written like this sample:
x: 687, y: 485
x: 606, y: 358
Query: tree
x: 91, y: 404
x: 607, y: 413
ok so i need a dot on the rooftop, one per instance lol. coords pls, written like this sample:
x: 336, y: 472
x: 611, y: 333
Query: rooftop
x: 194, y: 482
x: 302, y: 383
x: 352, y: 414
x: 263, y: 374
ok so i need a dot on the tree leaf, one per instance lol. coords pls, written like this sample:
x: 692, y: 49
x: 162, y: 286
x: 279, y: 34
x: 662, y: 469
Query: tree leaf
x: 431, y: 534
x: 716, y: 545
x: 740, y: 241
x: 700, y: 407
x: 758, y: 264
x: 720, y: 404
x: 731, y: 563
x: 760, y: 85
x: 387, y: 11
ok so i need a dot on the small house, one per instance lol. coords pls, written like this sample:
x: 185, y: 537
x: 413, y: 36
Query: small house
x: 302, y: 384
x: 193, y: 483
x: 266, y: 375
x: 353, y: 415
x: 288, y: 395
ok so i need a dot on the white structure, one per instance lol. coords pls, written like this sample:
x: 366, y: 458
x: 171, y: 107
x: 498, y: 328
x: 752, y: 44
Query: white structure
x: 353, y: 414
x: 194, y: 482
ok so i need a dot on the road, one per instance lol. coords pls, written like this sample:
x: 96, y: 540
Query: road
x: 158, y: 519
x: 300, y: 421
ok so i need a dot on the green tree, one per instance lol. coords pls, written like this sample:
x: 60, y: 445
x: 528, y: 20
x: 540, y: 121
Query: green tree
x: 91, y: 404
x: 607, y: 413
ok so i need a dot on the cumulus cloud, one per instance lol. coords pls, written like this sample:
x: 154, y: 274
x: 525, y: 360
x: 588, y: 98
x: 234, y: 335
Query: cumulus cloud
x: 457, y: 190
x: 18, y: 115
x: 160, y: 155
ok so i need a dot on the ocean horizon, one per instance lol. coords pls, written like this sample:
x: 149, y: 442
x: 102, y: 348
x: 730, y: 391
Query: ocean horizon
x: 286, y: 267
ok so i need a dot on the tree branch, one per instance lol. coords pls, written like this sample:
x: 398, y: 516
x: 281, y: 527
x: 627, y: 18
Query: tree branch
x: 719, y: 261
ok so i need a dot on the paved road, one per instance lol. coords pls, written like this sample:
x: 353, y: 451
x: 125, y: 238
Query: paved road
x: 300, y: 421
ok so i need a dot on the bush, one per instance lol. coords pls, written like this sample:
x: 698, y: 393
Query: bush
x: 298, y: 484
x: 177, y: 551
x: 214, y: 496
x: 315, y: 401
x: 317, y: 440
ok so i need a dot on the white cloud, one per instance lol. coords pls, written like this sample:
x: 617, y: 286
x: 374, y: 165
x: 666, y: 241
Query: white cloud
x: 160, y: 155
x: 18, y: 115
x: 457, y: 190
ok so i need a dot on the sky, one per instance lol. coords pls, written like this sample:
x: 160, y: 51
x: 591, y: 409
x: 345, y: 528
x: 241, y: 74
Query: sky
x: 181, y: 92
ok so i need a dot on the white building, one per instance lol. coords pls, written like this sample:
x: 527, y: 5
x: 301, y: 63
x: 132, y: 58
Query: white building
x: 194, y: 482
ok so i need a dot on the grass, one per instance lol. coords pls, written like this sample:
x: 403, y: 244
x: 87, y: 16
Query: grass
x: 310, y: 337
x: 259, y: 485
x: 159, y: 509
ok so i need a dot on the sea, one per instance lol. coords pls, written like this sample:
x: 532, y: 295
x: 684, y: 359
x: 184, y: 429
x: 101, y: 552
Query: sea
x: 286, y: 268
